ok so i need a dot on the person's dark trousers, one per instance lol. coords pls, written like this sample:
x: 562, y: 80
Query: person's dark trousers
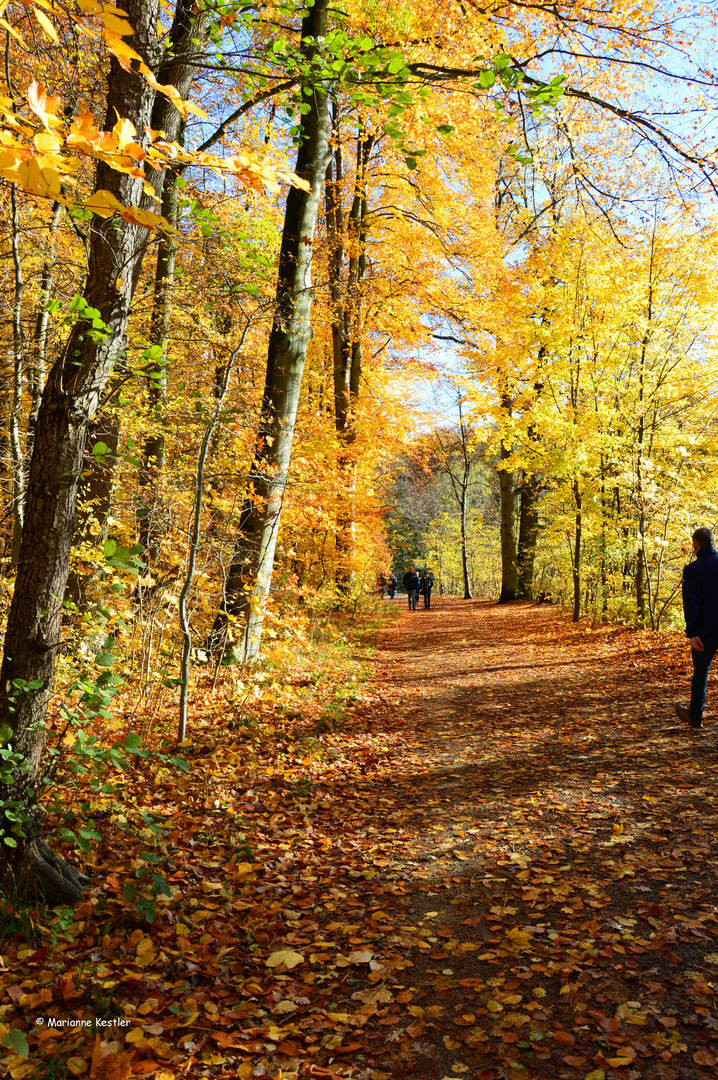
x: 412, y: 599
x: 699, y: 682
x: 427, y: 598
x: 416, y: 599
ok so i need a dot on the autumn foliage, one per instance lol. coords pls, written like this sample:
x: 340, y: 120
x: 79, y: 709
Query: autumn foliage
x: 294, y: 296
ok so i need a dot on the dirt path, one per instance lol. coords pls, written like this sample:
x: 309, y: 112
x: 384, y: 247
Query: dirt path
x: 550, y: 907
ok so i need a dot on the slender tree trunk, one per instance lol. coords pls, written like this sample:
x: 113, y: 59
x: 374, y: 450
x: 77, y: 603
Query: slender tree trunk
x: 603, y: 572
x: 42, y: 320
x: 220, y: 394
x: 528, y: 535
x: 577, y: 552
x: 182, y: 47
x: 346, y: 335
x: 464, y: 539
x: 72, y: 394
x: 530, y: 495
x: 644, y: 600
x: 153, y: 452
x: 16, y: 411
x: 250, y: 573
x: 509, y: 568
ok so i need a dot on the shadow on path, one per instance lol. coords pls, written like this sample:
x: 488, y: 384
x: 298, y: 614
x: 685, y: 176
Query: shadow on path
x: 548, y: 872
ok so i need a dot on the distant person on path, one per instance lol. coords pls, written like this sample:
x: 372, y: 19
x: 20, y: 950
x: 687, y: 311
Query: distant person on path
x: 411, y: 582
x: 392, y: 585
x: 700, y: 607
x: 427, y: 584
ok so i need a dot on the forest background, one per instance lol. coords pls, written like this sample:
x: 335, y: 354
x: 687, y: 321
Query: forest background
x: 238, y: 240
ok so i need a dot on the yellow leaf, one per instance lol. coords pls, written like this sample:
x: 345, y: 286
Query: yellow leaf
x: 47, y: 143
x: 135, y: 1035
x: 171, y: 92
x: 43, y: 106
x: 243, y: 868
x: 18, y: 1067
x: 124, y: 130
x: 134, y: 216
x: 519, y: 937
x: 116, y: 26
x: 38, y: 181
x: 283, y: 1007
x: 288, y: 957
x: 48, y: 29
x: 120, y: 49
x: 76, y: 1065
x: 103, y: 203
x: 11, y: 30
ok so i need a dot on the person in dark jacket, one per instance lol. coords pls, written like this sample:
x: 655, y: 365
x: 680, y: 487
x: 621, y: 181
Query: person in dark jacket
x: 700, y: 607
x: 411, y: 583
x: 392, y: 584
x: 427, y: 584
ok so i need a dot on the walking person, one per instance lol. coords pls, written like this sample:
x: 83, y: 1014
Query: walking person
x: 411, y: 583
x: 700, y: 608
x: 427, y: 584
x: 392, y: 585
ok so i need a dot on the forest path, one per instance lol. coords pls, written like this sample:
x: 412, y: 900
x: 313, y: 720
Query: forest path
x: 553, y: 886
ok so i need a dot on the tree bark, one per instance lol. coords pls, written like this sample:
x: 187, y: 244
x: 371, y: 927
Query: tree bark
x: 577, y: 552
x: 346, y: 335
x: 250, y: 572
x: 71, y: 397
x: 509, y: 569
x: 185, y: 44
x: 528, y: 535
x: 16, y: 410
x: 464, y: 538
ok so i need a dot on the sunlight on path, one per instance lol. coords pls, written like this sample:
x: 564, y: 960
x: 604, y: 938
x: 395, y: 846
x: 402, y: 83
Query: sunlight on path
x: 560, y: 852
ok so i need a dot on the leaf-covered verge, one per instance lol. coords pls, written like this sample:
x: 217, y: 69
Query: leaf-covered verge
x: 486, y: 850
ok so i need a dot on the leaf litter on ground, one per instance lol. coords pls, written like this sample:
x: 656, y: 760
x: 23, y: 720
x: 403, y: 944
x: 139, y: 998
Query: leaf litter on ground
x: 494, y: 859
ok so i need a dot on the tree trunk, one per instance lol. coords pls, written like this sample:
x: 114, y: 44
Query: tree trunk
x: 509, y: 571
x: 603, y: 573
x: 94, y: 500
x: 16, y: 410
x: 71, y: 397
x: 528, y: 535
x: 250, y: 573
x: 640, y: 578
x: 149, y: 511
x: 464, y: 552
x: 346, y: 335
x: 42, y: 320
x: 185, y: 44
x: 182, y: 47
x: 576, y: 567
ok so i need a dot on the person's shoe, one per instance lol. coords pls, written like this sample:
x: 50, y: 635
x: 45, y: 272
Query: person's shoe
x: 682, y: 713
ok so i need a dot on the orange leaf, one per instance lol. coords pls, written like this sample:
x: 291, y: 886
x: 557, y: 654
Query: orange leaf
x: 563, y: 1038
